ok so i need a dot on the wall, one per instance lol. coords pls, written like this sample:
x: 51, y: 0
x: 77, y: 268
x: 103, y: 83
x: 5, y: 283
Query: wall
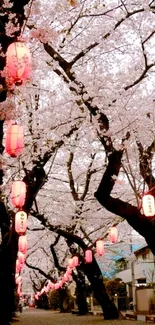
x: 145, y: 298
x: 142, y: 269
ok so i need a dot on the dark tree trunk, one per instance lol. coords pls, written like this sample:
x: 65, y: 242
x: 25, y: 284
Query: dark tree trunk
x: 143, y: 225
x: 7, y: 277
x: 81, y: 297
x: 64, y: 300
x: 94, y: 275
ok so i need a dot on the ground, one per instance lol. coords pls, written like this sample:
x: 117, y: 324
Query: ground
x: 41, y: 317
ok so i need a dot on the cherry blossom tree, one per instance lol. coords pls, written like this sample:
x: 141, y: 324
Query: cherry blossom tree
x: 96, y: 63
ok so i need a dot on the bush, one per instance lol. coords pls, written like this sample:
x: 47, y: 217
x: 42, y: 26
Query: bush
x: 61, y: 299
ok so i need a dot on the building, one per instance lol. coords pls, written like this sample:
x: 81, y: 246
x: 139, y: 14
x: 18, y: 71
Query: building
x: 140, y: 270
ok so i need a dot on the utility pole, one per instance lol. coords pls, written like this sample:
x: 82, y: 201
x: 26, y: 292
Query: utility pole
x: 133, y: 277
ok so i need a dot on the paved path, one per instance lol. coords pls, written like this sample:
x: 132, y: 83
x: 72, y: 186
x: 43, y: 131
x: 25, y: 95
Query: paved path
x: 41, y: 317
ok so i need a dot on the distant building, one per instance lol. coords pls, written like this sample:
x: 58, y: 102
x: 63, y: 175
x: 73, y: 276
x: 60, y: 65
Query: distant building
x: 144, y: 269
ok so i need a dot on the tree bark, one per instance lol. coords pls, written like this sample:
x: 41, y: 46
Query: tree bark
x: 81, y: 297
x: 143, y: 225
x: 95, y: 277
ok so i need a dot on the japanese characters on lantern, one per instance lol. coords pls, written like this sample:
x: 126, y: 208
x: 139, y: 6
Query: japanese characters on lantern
x: 148, y: 205
x: 20, y: 222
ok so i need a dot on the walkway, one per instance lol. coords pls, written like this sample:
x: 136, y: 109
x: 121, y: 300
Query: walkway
x: 41, y: 317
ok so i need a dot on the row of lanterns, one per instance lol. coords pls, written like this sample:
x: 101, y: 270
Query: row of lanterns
x: 18, y: 194
x: 74, y: 262
x: 17, y: 70
x: 21, y: 257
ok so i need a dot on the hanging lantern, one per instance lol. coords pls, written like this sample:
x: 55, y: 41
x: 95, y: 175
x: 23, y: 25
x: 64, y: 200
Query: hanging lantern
x: 56, y: 286
x: 21, y: 258
x: 48, y: 287
x: 100, y: 247
x: 66, y: 276
x: 18, y: 63
x: 88, y: 256
x: 22, y: 244
x: 19, y: 289
x: 22, y: 265
x: 18, y: 279
x: 42, y: 290
x: 51, y: 285
x: 75, y: 260
x: 36, y: 297
x: 69, y: 270
x: 18, y: 193
x: 18, y: 266
x: 113, y: 234
x: 148, y: 205
x: 16, y: 275
x: 20, y: 222
x: 71, y: 262
x: 14, y: 142
x: 60, y: 283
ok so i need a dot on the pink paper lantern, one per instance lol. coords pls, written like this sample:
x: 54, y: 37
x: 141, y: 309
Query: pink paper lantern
x: 56, y: 286
x: 71, y: 262
x: 75, y: 260
x: 66, y: 276
x: 18, y: 194
x: 19, y: 288
x: 52, y: 285
x: 113, y: 234
x: 14, y: 141
x: 21, y: 258
x: 18, y: 63
x: 148, y: 205
x: 60, y: 283
x: 69, y: 270
x: 88, y: 256
x: 22, y: 244
x: 18, y: 280
x: 21, y: 222
x: 42, y: 290
x: 100, y: 247
x: 18, y: 266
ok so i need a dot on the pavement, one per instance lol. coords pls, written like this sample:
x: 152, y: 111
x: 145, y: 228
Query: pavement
x: 34, y: 316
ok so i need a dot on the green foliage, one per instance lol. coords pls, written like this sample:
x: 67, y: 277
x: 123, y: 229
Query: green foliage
x: 54, y: 299
x: 116, y: 286
x: 61, y: 299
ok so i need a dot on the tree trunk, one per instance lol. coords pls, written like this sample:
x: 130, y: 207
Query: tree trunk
x: 7, y: 282
x: 81, y: 297
x: 94, y: 275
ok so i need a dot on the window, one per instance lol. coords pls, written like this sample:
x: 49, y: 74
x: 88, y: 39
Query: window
x: 141, y: 280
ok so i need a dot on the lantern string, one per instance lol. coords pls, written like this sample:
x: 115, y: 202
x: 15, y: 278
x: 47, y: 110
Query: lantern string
x: 151, y: 189
x: 15, y: 108
x: 19, y: 167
